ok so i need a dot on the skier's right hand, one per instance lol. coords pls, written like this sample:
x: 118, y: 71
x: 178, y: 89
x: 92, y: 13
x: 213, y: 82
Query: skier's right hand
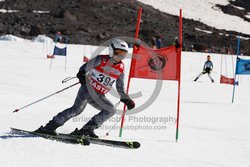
x: 81, y: 76
x: 129, y: 103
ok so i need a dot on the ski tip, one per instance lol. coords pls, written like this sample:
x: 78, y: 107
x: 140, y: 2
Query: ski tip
x: 16, y: 110
x: 133, y: 144
x: 136, y: 145
x: 13, y: 128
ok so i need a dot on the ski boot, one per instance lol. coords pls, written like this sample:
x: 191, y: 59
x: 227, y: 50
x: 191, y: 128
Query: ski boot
x: 87, y: 130
x: 49, y: 129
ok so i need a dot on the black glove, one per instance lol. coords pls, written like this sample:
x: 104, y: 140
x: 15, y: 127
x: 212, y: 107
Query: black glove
x: 129, y: 103
x: 81, y: 76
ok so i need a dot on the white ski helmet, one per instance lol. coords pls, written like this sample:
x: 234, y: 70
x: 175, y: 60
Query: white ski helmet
x: 117, y: 44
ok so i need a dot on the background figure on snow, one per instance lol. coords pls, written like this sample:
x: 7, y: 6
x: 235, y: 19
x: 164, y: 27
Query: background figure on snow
x: 58, y: 37
x: 207, y: 68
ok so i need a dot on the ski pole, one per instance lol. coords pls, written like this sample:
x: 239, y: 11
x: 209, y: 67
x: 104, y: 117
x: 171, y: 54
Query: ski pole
x: 116, y: 105
x: 16, y: 110
x: 68, y: 79
x: 112, y: 128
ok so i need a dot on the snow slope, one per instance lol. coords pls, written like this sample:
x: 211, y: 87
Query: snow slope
x: 204, y: 11
x: 213, y: 132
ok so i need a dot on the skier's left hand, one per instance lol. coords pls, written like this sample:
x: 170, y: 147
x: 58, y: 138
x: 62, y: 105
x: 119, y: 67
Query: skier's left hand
x: 129, y: 103
x: 81, y: 76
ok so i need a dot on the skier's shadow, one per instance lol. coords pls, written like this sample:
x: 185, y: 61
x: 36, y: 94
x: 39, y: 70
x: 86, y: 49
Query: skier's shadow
x: 12, y: 134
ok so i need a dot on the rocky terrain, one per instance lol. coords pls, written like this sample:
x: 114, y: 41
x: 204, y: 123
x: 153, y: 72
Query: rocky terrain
x: 95, y: 21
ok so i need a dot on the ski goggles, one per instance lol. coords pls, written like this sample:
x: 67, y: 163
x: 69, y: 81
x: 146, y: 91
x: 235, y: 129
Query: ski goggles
x: 121, y: 54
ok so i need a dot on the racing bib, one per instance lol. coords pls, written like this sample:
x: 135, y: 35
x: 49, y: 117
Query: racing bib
x: 103, y: 76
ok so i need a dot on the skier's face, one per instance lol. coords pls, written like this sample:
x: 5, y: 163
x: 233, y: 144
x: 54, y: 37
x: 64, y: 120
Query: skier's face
x: 119, y: 55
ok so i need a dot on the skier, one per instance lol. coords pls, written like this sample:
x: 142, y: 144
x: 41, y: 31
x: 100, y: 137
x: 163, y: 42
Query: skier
x: 58, y: 37
x: 207, y: 68
x: 96, y: 78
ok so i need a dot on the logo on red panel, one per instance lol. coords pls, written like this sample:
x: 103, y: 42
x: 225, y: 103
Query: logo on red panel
x: 157, y: 62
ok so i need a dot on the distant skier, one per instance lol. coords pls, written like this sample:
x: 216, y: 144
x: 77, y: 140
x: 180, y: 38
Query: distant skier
x: 96, y: 77
x: 207, y: 68
x: 58, y: 37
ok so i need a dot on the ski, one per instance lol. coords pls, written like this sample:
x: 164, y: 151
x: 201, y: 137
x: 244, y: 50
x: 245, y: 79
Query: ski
x: 72, y: 139
x: 115, y: 143
x: 108, y: 142
x: 64, y: 139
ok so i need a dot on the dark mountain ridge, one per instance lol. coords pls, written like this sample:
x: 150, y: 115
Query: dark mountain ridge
x: 92, y: 22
